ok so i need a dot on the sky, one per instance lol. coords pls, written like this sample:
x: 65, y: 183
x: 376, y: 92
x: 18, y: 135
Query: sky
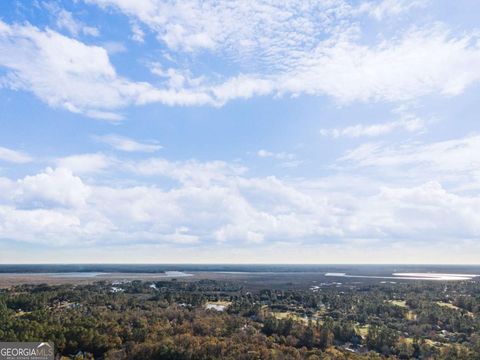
x: 240, y: 131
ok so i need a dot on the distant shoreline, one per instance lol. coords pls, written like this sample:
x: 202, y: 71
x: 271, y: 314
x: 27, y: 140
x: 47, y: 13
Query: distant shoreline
x: 372, y: 269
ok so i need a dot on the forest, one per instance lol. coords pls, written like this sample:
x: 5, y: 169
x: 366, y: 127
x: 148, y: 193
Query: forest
x: 209, y: 319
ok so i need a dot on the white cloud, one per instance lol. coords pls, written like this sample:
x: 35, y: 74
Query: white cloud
x: 137, y: 33
x: 52, y: 227
x: 66, y: 73
x: 452, y: 162
x: 123, y: 143
x: 174, y: 78
x: 280, y: 155
x: 447, y: 156
x: 236, y: 27
x: 65, y: 20
x: 187, y: 172
x: 383, y: 8
x: 181, y: 236
x: 102, y: 115
x: 85, y: 163
x: 62, y: 71
x: 14, y: 156
x: 286, y: 159
x: 213, y: 201
x: 57, y: 186
x: 426, y: 212
x: 218, y: 202
x: 114, y: 47
x: 320, y: 52
x: 408, y: 123
x: 419, y: 63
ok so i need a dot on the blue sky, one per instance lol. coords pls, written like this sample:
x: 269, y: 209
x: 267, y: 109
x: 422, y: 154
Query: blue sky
x: 306, y: 132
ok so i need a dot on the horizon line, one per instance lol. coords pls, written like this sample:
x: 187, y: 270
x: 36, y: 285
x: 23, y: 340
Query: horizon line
x: 255, y: 264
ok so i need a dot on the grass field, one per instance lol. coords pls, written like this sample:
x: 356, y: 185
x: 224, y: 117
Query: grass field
x: 281, y: 315
x: 453, y: 307
x: 401, y: 303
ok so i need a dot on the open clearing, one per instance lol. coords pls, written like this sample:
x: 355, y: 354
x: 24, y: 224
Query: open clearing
x: 401, y: 303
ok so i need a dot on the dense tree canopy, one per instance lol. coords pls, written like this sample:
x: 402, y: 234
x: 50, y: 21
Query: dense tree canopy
x: 170, y: 320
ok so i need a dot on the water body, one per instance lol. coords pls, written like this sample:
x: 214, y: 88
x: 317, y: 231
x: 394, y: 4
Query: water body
x: 87, y: 274
x: 216, y: 307
x: 84, y: 274
x: 174, y: 274
x: 386, y: 272
x: 411, y: 276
